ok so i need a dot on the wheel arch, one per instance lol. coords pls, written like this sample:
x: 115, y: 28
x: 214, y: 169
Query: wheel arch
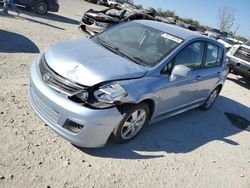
x: 149, y: 102
x: 47, y: 1
x: 219, y: 86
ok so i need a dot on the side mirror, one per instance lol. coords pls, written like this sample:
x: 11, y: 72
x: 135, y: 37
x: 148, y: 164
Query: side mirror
x: 179, y: 70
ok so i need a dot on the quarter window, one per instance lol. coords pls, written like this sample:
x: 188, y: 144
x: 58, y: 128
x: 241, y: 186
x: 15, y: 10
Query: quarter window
x: 213, y: 56
x: 191, y: 56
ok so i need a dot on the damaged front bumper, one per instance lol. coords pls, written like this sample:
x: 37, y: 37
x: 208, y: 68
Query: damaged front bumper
x: 56, y: 110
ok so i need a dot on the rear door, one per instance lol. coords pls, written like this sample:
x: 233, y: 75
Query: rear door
x: 212, y: 70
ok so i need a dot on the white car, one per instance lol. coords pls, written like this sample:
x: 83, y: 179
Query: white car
x: 213, y: 33
x: 227, y: 42
x: 239, y: 59
x: 113, y: 3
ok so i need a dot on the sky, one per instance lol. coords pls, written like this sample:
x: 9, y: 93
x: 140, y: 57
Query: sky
x: 206, y: 11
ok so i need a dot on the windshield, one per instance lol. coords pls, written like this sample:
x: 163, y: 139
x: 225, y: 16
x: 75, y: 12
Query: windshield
x: 140, y: 43
x: 247, y: 43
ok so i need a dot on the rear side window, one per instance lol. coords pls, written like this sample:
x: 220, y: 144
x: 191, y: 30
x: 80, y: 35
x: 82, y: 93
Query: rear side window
x: 213, y: 56
x: 191, y: 56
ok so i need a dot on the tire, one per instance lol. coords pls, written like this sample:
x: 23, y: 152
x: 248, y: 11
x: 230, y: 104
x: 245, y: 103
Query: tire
x: 230, y: 67
x: 41, y: 7
x: 210, y: 99
x: 134, y: 120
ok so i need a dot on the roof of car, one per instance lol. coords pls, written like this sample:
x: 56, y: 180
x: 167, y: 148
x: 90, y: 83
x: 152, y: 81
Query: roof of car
x: 171, y: 29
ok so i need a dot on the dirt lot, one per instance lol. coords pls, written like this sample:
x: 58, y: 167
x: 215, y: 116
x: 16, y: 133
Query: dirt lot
x: 195, y: 149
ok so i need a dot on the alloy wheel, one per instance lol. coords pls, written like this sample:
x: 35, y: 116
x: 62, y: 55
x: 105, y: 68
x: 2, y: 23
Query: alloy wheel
x: 133, y: 124
x: 211, y: 98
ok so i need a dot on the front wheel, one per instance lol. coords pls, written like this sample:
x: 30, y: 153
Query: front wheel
x: 41, y: 7
x: 211, y: 99
x: 135, y: 118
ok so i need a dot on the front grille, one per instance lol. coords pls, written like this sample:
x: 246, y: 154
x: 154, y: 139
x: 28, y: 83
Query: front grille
x: 57, y: 82
x: 243, y: 53
x: 87, y: 20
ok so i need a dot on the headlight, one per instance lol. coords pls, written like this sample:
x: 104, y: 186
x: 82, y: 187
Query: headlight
x: 83, y: 95
x: 111, y: 93
x: 233, y: 50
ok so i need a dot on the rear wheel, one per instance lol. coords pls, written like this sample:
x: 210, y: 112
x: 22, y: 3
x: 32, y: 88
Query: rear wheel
x: 211, y: 99
x: 135, y: 118
x: 41, y: 7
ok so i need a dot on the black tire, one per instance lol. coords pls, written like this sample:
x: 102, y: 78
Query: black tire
x: 41, y: 7
x: 208, y: 104
x: 230, y: 67
x: 127, y: 113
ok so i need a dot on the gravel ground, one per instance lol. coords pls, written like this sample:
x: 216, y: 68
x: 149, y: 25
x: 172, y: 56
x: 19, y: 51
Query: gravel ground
x: 194, y: 149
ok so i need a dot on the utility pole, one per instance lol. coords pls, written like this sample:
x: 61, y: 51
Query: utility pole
x: 236, y: 29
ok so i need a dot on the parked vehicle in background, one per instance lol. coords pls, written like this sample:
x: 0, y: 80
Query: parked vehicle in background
x: 224, y: 34
x: 92, y: 1
x: 239, y: 59
x: 236, y: 41
x: 213, y: 33
x: 40, y: 6
x: 190, y: 27
x: 116, y: 82
x: 113, y: 3
x: 228, y: 43
x: 103, y: 2
x: 162, y: 19
x: 127, y: 5
x: 94, y: 21
x: 187, y: 26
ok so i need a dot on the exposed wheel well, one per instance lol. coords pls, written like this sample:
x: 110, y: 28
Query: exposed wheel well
x: 151, y: 105
x: 220, y: 87
x: 149, y: 102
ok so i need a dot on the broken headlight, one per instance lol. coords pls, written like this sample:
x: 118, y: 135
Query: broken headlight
x: 110, y: 93
x: 103, y: 97
x: 83, y: 95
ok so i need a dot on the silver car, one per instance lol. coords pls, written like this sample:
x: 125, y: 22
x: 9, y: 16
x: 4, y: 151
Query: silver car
x: 113, y: 84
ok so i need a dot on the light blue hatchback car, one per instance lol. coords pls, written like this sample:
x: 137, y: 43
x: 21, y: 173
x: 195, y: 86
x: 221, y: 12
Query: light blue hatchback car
x: 116, y: 82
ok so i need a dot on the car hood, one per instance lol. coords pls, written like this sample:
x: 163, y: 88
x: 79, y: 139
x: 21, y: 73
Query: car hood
x: 86, y: 63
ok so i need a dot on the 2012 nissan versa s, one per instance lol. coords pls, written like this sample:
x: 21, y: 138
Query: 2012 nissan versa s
x: 116, y: 82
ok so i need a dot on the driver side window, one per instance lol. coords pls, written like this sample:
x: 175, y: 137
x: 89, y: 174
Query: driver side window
x: 191, y: 56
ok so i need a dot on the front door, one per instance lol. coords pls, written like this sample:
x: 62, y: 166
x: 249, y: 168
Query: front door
x: 184, y: 92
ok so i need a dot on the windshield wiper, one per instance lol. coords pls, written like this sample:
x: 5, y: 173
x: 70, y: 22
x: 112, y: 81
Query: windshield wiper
x: 107, y: 45
x: 138, y: 60
x: 120, y: 52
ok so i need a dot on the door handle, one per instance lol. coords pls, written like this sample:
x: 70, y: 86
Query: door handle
x: 219, y: 73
